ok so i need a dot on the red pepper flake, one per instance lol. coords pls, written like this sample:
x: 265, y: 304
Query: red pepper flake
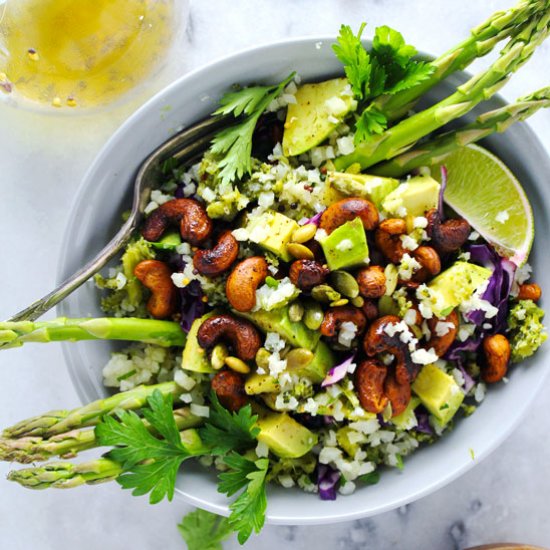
x: 323, y: 170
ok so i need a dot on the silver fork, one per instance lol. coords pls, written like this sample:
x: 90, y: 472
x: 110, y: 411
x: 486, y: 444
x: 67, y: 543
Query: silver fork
x: 183, y: 147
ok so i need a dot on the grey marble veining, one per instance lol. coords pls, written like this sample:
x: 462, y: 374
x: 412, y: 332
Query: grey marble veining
x: 43, y: 158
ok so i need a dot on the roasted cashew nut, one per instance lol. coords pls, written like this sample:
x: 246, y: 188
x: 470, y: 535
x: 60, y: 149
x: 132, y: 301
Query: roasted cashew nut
x: 335, y: 316
x: 398, y: 394
x: 388, y: 241
x: 369, y: 384
x: 228, y: 386
x: 157, y: 277
x: 529, y: 291
x: 243, y: 281
x: 219, y: 259
x: 240, y: 334
x: 377, y: 340
x: 428, y: 258
x: 305, y: 274
x: 497, y: 351
x: 194, y: 224
x: 347, y: 210
x: 372, y: 282
x: 441, y: 344
x: 446, y: 236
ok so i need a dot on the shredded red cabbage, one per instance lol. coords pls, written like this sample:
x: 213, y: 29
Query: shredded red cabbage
x: 498, y: 288
x: 315, y: 219
x: 336, y: 373
x: 327, y: 482
x: 423, y: 421
x: 469, y: 382
x: 192, y: 304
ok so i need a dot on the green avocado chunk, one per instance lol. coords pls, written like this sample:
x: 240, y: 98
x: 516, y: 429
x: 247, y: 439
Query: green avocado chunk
x: 284, y: 436
x: 407, y: 418
x: 277, y: 320
x: 455, y: 285
x: 272, y: 231
x: 414, y: 197
x: 318, y: 110
x: 439, y: 393
x: 194, y: 357
x: 261, y: 383
x: 170, y: 241
x: 346, y: 246
x: 374, y: 188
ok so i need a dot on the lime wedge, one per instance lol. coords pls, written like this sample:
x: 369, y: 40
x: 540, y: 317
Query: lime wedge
x: 483, y: 190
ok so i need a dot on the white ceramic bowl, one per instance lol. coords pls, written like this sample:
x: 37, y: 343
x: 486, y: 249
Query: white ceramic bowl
x: 104, y: 194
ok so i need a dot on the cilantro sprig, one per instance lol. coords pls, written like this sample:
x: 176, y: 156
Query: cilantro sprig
x: 388, y: 68
x: 234, y: 144
x: 151, y: 454
x: 203, y: 530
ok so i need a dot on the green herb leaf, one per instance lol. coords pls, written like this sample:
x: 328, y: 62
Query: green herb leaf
x: 203, y: 530
x: 149, y: 464
x: 371, y: 122
x: 248, y: 510
x: 356, y: 60
x: 370, y: 479
x: 234, y: 144
x: 229, y: 431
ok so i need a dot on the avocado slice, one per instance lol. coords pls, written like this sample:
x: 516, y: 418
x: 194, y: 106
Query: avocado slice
x: 194, y: 358
x: 407, y: 418
x: 439, y: 393
x: 318, y: 110
x: 346, y: 246
x: 374, y: 188
x: 277, y: 320
x: 170, y: 241
x: 273, y: 231
x: 414, y: 197
x: 284, y: 436
x: 455, y: 285
x: 316, y: 370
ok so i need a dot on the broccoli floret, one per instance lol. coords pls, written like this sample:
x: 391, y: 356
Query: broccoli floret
x: 527, y: 333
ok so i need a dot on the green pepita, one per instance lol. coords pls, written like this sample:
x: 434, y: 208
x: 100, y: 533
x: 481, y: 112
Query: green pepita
x: 358, y: 301
x: 325, y: 293
x: 218, y: 355
x: 313, y: 315
x: 299, y: 251
x: 345, y: 283
x: 392, y: 276
x: 236, y: 364
x: 262, y: 358
x: 304, y: 233
x: 340, y: 302
x: 298, y: 358
x: 296, y: 312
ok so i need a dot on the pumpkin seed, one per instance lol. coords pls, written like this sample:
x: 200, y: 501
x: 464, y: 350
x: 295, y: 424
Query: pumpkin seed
x: 304, y: 233
x: 262, y: 358
x: 345, y: 283
x: 236, y: 364
x: 296, y: 312
x: 340, y: 302
x: 325, y: 293
x: 299, y: 251
x: 218, y: 356
x: 392, y: 275
x: 298, y: 358
x: 313, y: 315
x: 387, y: 306
x: 358, y: 301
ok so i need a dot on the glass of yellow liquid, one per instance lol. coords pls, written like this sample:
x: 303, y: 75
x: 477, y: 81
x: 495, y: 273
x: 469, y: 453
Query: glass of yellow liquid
x: 79, y: 54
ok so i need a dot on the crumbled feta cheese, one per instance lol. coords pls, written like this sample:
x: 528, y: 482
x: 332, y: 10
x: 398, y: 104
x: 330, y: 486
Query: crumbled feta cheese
x: 320, y: 235
x: 183, y: 380
x: 465, y: 331
x: 208, y: 194
x: 345, y: 145
x: 410, y: 317
x: 474, y: 236
x: 286, y: 481
x: 262, y: 450
x: 200, y: 410
x: 268, y: 298
x: 183, y: 248
x: 335, y: 106
x: 120, y: 280
x: 479, y: 394
x: 266, y: 199
x: 502, y: 216
x: 407, y: 267
x: 347, y: 333
x: 273, y: 342
x: 464, y: 256
x: 408, y: 242
x: 150, y: 207
x: 423, y: 357
x: 420, y: 222
x: 180, y: 280
x: 442, y: 328
x: 329, y: 454
x: 344, y: 245
x: 347, y: 488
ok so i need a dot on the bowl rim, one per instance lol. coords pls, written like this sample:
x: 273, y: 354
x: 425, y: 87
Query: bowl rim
x: 528, y: 136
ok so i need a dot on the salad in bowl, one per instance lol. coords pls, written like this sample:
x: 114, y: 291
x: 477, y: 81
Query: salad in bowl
x: 334, y: 284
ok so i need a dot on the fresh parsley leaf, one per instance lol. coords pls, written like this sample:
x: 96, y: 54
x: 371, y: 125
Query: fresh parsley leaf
x: 399, y: 462
x: 371, y: 122
x: 390, y: 43
x: 248, y: 510
x: 356, y: 60
x: 234, y: 144
x: 229, y: 431
x: 370, y: 479
x: 149, y: 463
x: 203, y: 530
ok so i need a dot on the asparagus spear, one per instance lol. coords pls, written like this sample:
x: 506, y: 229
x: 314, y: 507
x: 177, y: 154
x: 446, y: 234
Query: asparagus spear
x: 151, y: 331
x: 481, y: 41
x: 32, y: 449
x: 480, y: 87
x: 59, y: 422
x: 65, y: 475
x: 434, y: 151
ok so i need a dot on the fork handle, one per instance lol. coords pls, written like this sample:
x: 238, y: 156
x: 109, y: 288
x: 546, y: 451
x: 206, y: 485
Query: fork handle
x: 38, y: 308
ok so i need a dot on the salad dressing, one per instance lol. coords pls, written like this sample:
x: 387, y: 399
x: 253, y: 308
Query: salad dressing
x: 81, y: 52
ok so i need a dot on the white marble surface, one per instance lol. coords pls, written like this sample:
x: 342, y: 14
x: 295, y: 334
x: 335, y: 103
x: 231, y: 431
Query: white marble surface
x: 42, y: 160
